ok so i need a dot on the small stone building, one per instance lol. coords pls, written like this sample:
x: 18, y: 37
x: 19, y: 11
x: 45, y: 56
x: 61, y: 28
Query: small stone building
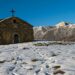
x: 15, y: 30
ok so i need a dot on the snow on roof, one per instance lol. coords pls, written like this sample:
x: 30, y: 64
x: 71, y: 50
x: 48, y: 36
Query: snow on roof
x: 1, y: 20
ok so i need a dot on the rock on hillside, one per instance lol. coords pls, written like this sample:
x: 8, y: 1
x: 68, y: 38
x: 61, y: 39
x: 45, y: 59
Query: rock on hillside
x: 61, y: 32
x: 40, y: 32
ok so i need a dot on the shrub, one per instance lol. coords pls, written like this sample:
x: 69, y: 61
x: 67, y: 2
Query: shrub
x: 34, y: 60
x: 41, y: 44
x: 57, y: 66
x: 58, y: 72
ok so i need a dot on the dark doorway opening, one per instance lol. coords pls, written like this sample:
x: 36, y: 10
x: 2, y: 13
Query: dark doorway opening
x: 16, y: 38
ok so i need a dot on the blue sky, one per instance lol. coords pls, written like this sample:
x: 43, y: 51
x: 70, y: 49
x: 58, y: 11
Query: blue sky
x: 40, y: 12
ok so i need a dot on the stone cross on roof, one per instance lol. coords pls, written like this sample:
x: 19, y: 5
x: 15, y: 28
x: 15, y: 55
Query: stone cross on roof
x: 13, y: 12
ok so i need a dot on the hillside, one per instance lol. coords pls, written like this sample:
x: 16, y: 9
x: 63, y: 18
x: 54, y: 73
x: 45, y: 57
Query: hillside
x: 38, y: 58
x: 60, y: 32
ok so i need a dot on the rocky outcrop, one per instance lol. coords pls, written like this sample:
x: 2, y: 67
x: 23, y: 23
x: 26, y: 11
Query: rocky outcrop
x: 61, y: 32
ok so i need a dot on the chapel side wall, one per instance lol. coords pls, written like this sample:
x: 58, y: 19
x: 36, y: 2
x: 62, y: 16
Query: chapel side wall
x: 1, y: 37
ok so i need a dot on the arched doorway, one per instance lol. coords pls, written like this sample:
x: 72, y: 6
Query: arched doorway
x: 16, y: 38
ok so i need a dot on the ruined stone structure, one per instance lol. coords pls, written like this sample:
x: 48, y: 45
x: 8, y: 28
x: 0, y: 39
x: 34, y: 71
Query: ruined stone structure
x: 15, y: 30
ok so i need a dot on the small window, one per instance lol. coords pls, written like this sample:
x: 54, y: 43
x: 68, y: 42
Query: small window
x: 14, y: 21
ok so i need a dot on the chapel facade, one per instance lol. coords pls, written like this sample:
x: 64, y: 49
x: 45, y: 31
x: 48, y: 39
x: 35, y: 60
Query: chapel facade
x: 15, y: 30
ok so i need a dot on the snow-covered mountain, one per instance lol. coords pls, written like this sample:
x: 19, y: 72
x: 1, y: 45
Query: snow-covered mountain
x: 38, y: 58
x: 61, y: 31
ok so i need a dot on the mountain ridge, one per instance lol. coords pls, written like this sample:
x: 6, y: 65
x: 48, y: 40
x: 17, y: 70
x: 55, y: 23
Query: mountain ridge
x: 63, y: 31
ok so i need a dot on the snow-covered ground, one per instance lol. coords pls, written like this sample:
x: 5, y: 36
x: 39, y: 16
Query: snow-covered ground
x: 28, y: 59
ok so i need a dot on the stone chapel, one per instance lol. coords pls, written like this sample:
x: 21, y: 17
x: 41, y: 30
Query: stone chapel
x: 15, y: 30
